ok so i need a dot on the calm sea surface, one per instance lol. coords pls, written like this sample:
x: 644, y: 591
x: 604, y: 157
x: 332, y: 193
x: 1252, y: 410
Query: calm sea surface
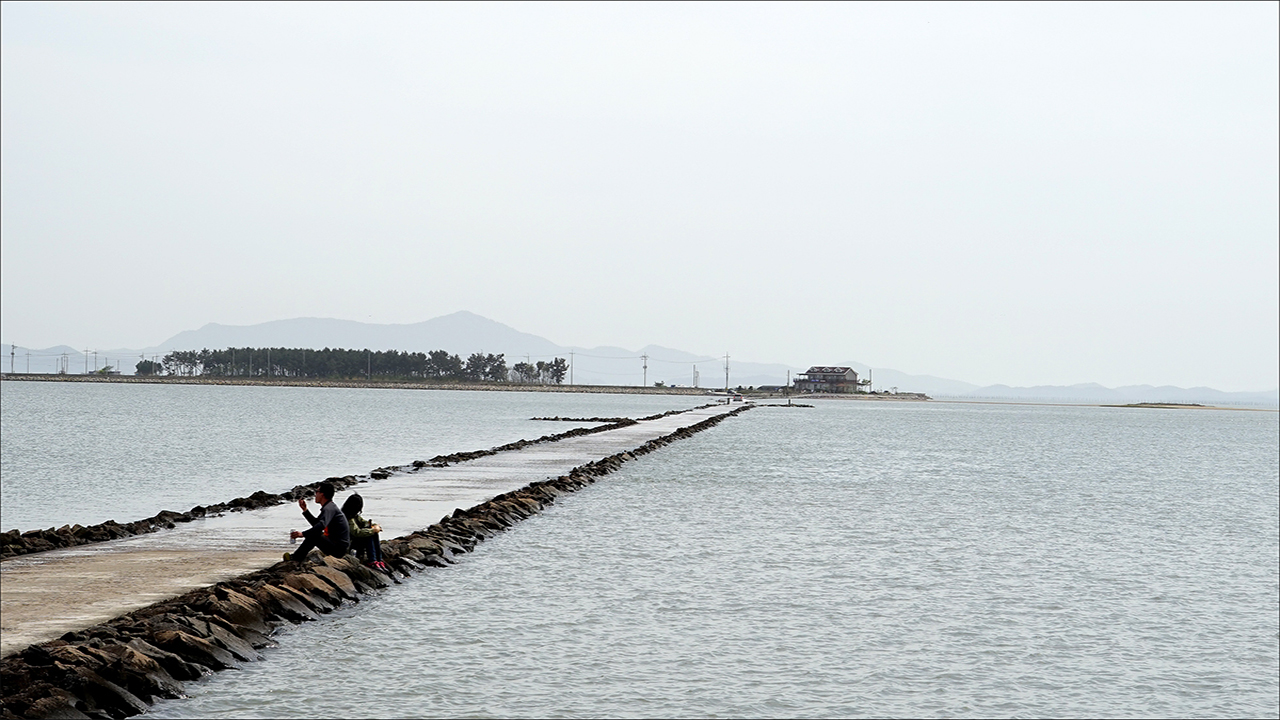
x: 85, y: 453
x: 848, y: 560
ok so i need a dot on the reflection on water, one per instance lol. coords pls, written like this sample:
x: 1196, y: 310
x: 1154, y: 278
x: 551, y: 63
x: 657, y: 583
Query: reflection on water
x: 851, y: 560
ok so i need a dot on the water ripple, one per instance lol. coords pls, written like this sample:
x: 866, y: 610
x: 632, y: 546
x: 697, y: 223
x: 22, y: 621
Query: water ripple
x: 849, y: 561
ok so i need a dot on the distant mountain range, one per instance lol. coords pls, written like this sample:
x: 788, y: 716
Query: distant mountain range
x: 464, y: 333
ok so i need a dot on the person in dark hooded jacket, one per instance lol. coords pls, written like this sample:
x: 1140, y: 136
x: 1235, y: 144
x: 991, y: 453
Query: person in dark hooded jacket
x: 364, y: 534
x: 330, y: 532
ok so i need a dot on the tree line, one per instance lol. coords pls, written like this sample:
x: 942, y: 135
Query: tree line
x: 437, y: 365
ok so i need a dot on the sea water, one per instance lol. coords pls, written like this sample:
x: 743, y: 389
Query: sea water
x: 853, y: 559
x: 89, y: 452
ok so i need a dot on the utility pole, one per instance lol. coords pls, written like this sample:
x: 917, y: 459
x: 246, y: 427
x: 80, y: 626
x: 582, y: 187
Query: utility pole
x: 695, y: 375
x: 95, y: 361
x: 570, y: 367
x: 28, y: 362
x: 12, y: 348
x: 645, y: 381
x: 726, y: 372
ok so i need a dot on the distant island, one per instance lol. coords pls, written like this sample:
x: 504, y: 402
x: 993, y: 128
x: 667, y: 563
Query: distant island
x: 1158, y: 405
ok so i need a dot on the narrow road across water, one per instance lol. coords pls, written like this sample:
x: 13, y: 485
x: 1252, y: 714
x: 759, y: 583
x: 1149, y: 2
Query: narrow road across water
x: 45, y: 595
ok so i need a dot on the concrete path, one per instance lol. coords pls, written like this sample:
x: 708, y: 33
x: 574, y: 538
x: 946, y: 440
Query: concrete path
x: 47, y: 594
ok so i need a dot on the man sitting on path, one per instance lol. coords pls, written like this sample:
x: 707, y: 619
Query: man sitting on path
x: 329, y: 532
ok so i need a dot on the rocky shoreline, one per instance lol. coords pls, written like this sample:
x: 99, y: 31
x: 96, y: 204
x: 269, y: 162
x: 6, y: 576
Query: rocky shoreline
x: 119, y: 668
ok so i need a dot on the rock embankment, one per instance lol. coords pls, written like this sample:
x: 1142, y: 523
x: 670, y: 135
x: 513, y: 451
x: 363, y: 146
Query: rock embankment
x: 794, y: 405
x: 614, y: 420
x: 119, y: 668
x: 16, y: 542
x: 557, y: 418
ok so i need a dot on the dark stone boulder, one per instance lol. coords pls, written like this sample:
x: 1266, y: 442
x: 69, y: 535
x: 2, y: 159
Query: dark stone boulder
x: 358, y: 573
x: 406, y: 566
x: 338, y: 580
x: 226, y: 639
x: 284, y: 604
x: 265, y: 499
x: 139, y: 674
x: 425, y: 545
x: 411, y: 553
x: 239, y: 610
x: 105, y: 632
x: 106, y: 695
x: 74, y: 656
x: 174, y: 664
x: 434, y: 561
x: 38, y: 656
x: 60, y: 704
x: 195, y: 649
x: 315, y: 589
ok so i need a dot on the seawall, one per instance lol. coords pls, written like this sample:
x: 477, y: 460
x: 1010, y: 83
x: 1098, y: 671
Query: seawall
x: 15, y: 542
x: 118, y: 667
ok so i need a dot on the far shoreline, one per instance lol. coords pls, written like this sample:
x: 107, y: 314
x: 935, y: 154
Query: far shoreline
x: 587, y: 389
x: 360, y: 384
x: 400, y: 385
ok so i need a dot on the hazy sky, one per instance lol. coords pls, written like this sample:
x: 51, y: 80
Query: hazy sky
x: 1025, y: 194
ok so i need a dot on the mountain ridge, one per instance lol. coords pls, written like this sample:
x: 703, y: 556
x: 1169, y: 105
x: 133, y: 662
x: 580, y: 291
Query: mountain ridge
x: 464, y: 332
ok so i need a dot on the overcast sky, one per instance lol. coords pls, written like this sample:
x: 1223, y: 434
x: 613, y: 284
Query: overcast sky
x: 1003, y: 193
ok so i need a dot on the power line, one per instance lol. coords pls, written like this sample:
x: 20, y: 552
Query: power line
x: 637, y: 357
x: 616, y: 374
